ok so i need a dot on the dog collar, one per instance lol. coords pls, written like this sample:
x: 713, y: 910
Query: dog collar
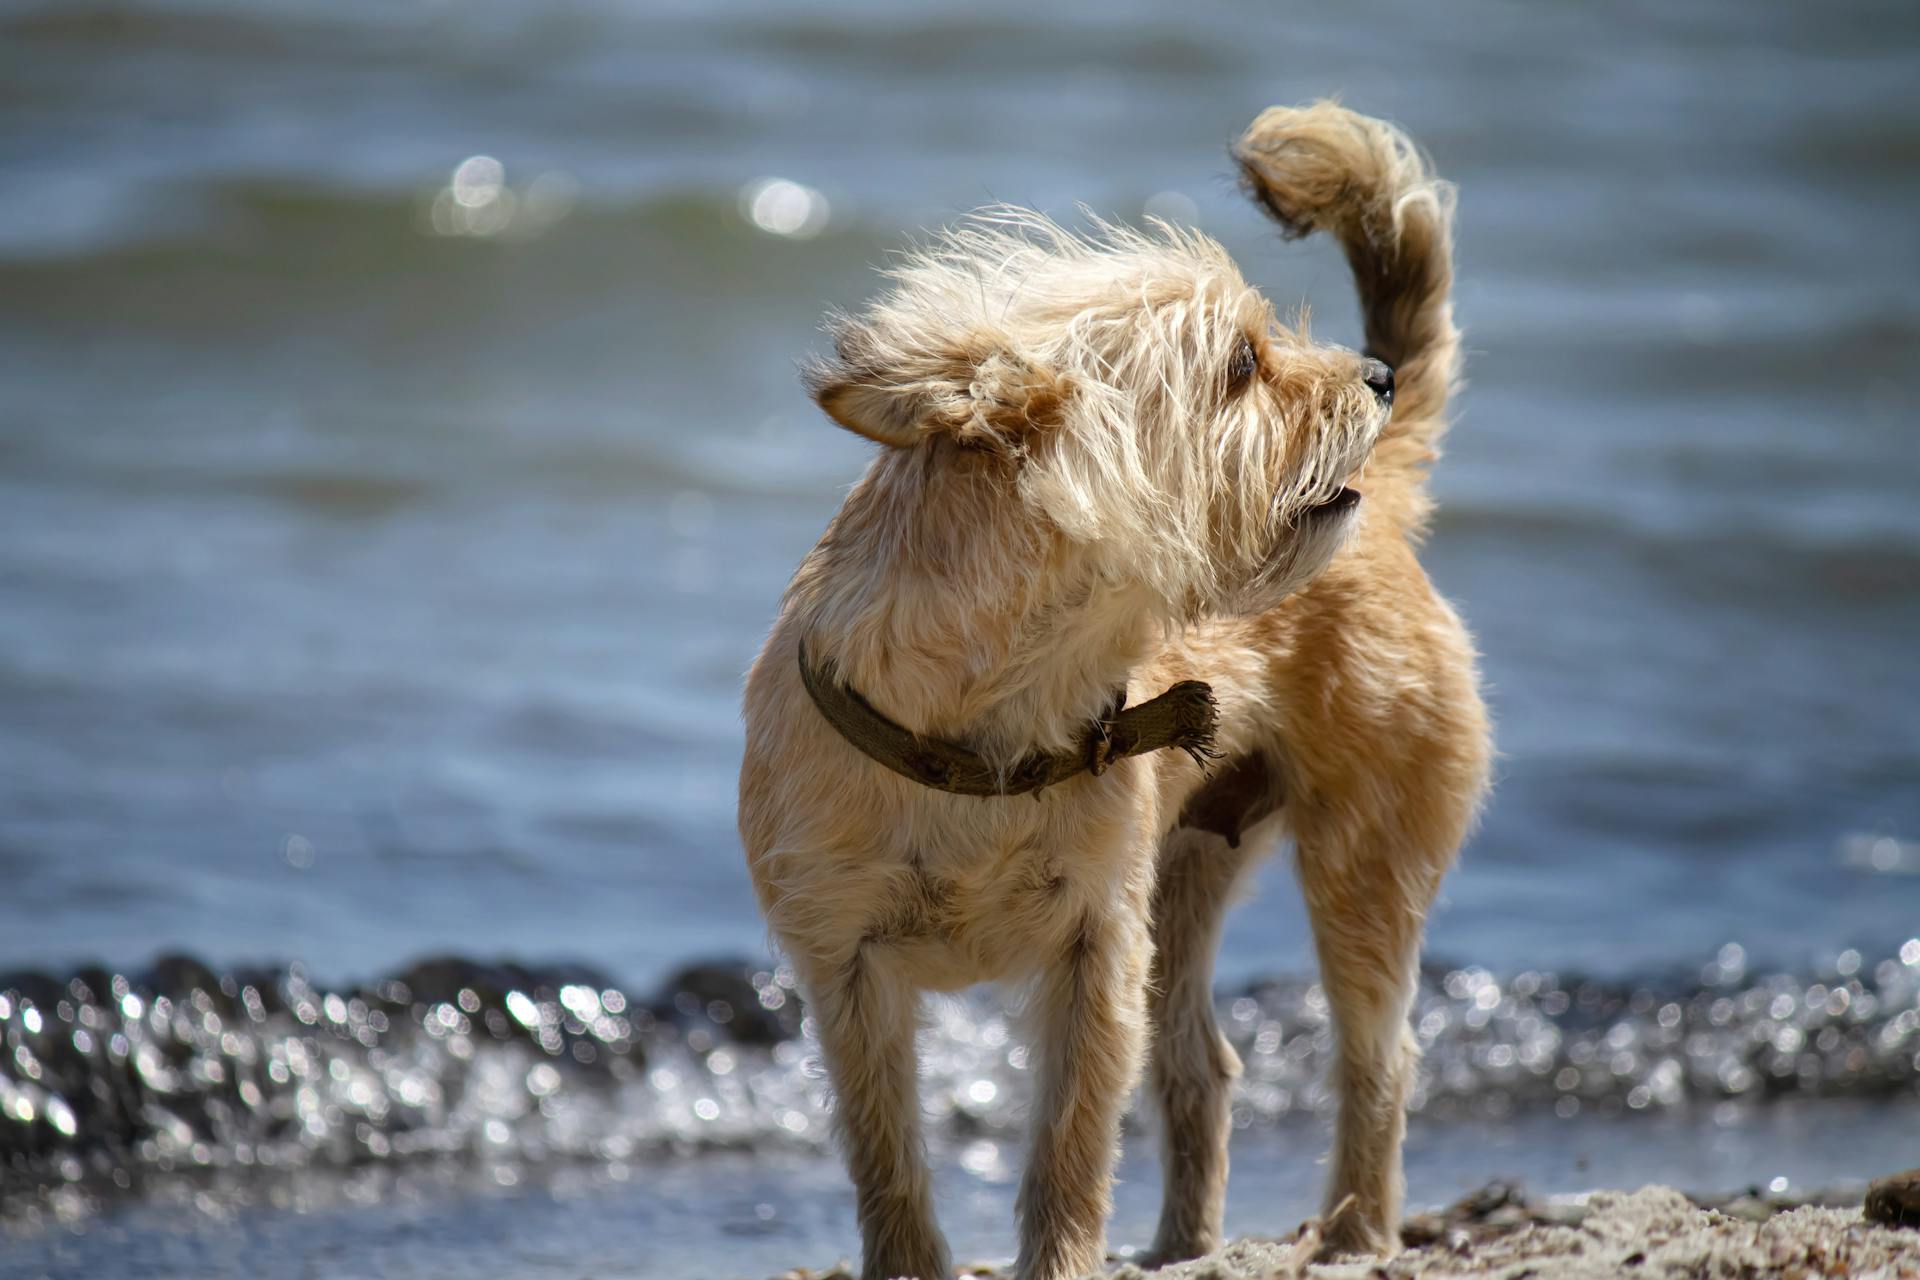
x: 1185, y: 716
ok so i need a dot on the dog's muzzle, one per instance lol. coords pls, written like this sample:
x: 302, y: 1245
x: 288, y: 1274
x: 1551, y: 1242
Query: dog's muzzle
x: 1345, y: 500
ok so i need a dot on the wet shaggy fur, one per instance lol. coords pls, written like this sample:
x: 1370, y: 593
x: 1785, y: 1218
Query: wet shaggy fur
x: 1104, y: 463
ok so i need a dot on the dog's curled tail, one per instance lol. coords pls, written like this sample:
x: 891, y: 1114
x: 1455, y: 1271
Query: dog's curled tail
x: 1325, y: 168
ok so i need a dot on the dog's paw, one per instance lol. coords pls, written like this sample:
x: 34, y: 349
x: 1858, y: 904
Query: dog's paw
x: 1165, y: 1253
x: 1348, y: 1236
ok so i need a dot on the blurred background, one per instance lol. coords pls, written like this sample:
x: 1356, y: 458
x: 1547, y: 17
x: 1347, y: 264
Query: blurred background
x: 401, y: 457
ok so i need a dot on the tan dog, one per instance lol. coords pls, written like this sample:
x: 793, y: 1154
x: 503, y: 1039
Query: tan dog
x: 1105, y: 467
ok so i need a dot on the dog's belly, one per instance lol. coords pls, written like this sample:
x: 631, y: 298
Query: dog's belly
x: 1240, y: 794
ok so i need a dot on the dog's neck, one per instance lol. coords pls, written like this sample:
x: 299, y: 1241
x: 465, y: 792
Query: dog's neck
x: 957, y: 614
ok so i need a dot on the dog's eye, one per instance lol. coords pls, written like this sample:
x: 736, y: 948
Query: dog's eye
x: 1241, y: 368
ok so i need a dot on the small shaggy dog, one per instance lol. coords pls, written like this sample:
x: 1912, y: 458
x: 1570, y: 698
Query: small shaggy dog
x: 1106, y: 471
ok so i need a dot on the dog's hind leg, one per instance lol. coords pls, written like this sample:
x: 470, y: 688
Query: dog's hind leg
x: 866, y: 1023
x: 1193, y: 1067
x: 1089, y: 1026
x: 1368, y: 889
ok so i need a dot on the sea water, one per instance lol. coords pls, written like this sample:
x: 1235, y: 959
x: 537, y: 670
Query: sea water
x: 401, y: 456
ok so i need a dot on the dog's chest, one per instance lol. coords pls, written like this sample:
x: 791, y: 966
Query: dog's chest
x: 999, y: 893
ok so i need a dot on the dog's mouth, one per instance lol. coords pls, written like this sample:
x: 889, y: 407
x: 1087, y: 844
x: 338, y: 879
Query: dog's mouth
x: 1343, y: 501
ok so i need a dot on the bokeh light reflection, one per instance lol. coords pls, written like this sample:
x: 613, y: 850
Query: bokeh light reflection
x: 184, y: 1068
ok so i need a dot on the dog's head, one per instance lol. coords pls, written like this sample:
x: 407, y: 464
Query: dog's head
x: 1135, y: 397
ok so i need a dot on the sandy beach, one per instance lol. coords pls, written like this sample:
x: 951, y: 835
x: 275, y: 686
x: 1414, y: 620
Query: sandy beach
x: 1655, y: 1232
x: 1496, y: 1234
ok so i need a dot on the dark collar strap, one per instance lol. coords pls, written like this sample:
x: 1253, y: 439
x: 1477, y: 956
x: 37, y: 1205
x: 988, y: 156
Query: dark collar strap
x: 1184, y: 716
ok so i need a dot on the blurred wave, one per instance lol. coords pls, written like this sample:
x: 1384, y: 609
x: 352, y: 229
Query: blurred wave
x: 112, y: 1080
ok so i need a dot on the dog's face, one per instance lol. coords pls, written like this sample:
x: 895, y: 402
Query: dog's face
x: 1133, y: 396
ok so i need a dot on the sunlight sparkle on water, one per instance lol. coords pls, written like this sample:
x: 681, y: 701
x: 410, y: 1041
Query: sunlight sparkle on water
x: 1880, y: 854
x: 981, y: 1158
x: 517, y: 1065
x: 477, y: 202
x: 783, y: 207
x: 478, y: 181
x: 1175, y: 207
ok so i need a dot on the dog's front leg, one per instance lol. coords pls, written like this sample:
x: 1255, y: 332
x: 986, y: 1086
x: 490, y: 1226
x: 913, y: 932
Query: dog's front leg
x: 1089, y: 1020
x: 866, y: 1021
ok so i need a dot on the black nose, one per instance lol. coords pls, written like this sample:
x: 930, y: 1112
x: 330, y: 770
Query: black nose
x: 1378, y: 375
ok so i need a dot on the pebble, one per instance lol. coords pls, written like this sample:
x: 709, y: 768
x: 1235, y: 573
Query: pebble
x: 1895, y: 1200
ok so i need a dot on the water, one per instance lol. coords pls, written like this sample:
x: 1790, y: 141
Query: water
x: 250, y: 1098
x: 381, y: 547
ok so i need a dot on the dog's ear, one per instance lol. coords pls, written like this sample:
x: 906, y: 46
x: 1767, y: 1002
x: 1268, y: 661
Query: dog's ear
x: 980, y: 393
